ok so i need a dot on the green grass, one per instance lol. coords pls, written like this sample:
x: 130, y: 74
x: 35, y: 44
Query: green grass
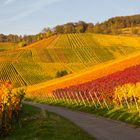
x: 131, y: 116
x: 42, y: 125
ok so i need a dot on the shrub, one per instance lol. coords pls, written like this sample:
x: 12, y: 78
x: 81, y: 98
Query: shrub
x: 10, y: 104
x: 61, y: 73
x: 128, y: 93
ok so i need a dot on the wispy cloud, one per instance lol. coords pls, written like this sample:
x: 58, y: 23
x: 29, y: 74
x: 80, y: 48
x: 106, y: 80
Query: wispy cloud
x: 7, y: 2
x: 28, y: 9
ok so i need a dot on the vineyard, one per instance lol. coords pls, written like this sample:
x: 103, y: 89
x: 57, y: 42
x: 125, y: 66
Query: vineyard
x: 103, y: 70
x: 40, y: 61
x: 7, y: 46
x: 118, y: 90
x: 104, y: 88
x: 92, y: 73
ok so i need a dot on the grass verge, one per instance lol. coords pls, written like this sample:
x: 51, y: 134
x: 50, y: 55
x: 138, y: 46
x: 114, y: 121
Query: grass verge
x: 118, y: 113
x: 42, y: 125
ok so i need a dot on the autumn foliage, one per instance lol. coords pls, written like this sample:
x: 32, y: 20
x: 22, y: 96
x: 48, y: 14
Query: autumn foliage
x: 120, y: 83
x: 127, y: 94
x: 10, y: 104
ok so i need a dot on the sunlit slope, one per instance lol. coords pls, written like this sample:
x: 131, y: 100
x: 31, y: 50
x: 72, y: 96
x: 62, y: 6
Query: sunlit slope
x: 85, y: 76
x: 7, y: 46
x: 90, y: 48
x: 40, y: 61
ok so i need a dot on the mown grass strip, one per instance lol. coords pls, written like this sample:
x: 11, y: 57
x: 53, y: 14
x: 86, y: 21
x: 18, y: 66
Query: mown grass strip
x: 42, y: 125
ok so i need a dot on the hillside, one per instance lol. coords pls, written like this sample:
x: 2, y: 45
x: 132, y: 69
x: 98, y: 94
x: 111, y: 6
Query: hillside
x: 5, y: 46
x: 40, y: 61
x: 86, y: 76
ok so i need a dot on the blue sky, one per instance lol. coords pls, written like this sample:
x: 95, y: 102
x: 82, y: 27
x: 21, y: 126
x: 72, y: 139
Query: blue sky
x: 31, y: 16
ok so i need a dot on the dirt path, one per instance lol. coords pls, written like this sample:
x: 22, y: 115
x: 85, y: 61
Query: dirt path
x: 99, y: 127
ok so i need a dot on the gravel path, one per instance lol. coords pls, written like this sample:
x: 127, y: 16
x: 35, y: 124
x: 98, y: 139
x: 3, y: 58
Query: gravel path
x: 99, y: 127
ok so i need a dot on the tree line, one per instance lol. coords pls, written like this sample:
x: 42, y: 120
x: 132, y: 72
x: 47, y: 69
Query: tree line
x: 22, y: 40
x: 114, y: 25
x: 111, y: 26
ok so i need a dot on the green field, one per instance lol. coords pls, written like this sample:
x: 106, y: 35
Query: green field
x: 41, y: 61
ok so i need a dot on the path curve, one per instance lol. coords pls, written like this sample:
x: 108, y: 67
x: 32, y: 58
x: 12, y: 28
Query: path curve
x: 98, y: 127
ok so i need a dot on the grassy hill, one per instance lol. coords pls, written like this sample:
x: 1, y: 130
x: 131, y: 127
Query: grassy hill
x: 40, y: 61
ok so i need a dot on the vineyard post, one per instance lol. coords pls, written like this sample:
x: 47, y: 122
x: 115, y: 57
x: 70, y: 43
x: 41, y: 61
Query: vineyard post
x: 59, y: 97
x: 69, y: 98
x: 51, y: 99
x: 63, y: 99
x: 73, y: 101
x: 92, y: 100
x: 82, y: 98
x: 75, y: 98
x: 104, y: 100
x: 120, y: 100
x: 65, y: 96
x: 68, y: 94
x: 106, y: 104
x: 78, y: 98
x: 54, y: 97
x: 128, y: 106
x: 137, y: 107
x: 87, y: 98
x: 98, y: 99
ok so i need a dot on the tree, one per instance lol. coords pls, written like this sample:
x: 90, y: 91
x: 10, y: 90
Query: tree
x: 97, y: 28
x: 135, y: 30
x: 59, y: 29
x: 45, y: 30
x: 69, y: 28
x: 58, y: 74
x: 80, y: 27
x: 90, y: 27
x: 2, y: 38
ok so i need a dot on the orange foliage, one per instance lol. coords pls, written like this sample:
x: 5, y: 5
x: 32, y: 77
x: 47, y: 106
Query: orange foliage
x: 79, y: 78
x: 10, y: 101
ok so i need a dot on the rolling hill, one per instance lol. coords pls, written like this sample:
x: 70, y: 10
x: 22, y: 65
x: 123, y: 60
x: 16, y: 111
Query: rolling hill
x: 40, y: 61
x: 85, y: 76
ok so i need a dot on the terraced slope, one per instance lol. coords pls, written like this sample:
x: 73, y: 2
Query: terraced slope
x: 85, y: 76
x: 40, y: 61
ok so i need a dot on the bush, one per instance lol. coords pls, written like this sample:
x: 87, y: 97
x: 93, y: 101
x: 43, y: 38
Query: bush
x: 10, y: 104
x: 61, y: 73
x: 128, y: 93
